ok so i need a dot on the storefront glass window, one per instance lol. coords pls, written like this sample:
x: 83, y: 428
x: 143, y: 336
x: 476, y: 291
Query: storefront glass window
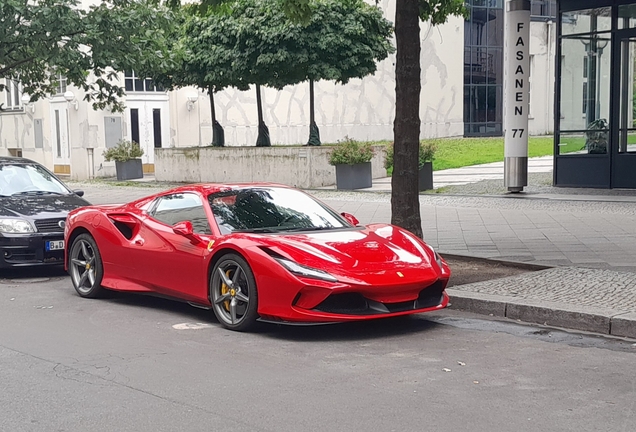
x: 585, y: 81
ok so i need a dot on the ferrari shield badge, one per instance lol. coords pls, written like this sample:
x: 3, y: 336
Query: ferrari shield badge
x: 400, y: 274
x: 210, y: 245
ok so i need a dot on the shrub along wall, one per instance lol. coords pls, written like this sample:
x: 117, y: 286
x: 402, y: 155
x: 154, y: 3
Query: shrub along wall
x: 302, y: 167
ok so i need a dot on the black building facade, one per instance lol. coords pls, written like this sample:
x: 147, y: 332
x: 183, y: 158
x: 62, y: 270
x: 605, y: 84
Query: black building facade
x: 483, y: 63
x: 483, y: 68
x: 595, y: 128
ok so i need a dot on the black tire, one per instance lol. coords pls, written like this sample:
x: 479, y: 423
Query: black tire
x: 233, y: 293
x: 85, y: 267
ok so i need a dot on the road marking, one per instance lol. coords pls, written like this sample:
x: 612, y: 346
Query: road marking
x: 191, y: 326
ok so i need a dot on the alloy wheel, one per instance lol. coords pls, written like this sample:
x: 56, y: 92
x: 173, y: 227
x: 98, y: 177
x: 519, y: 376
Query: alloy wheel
x: 233, y: 293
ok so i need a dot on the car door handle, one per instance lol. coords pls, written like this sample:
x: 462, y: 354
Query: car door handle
x: 139, y: 242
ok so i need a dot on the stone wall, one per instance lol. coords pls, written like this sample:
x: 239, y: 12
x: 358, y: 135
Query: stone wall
x: 298, y: 166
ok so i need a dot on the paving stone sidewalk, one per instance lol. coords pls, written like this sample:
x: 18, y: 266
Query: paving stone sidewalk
x: 589, y: 239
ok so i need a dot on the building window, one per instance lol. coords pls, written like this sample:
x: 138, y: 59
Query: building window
x: 483, y: 68
x: 133, y: 83
x: 12, y: 95
x: 61, y: 84
x: 543, y: 10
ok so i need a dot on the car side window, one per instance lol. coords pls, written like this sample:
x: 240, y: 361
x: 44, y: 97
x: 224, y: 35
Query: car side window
x: 171, y: 209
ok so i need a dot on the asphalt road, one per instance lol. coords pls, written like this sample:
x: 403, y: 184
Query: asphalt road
x: 137, y: 363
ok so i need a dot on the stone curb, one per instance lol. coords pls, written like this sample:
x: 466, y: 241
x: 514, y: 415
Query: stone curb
x: 597, y: 320
x: 503, y: 262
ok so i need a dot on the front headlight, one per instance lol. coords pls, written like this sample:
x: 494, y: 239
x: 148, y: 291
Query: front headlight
x: 301, y: 270
x: 15, y: 226
x: 438, y: 258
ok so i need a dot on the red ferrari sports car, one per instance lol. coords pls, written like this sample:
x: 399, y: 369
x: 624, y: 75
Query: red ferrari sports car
x: 254, y: 252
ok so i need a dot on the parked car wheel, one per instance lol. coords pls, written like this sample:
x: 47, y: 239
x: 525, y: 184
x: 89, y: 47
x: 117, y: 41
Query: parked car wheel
x: 85, y: 267
x: 233, y: 293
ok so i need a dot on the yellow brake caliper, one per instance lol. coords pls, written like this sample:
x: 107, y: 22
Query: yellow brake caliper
x: 224, y: 290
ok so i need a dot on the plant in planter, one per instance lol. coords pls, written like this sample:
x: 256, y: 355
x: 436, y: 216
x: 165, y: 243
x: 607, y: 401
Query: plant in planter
x: 596, y: 137
x: 352, y: 160
x: 426, y: 156
x: 126, y: 155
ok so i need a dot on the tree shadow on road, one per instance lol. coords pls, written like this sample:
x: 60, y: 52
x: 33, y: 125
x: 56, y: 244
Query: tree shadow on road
x: 372, y: 329
x: 167, y: 304
x: 363, y: 330
x: 20, y: 273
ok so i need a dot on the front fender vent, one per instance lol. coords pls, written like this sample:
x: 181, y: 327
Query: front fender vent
x: 126, y: 224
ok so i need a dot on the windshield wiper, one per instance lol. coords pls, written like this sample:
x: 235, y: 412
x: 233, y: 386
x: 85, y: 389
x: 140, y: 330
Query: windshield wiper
x: 36, y: 192
x: 307, y: 229
x: 257, y: 230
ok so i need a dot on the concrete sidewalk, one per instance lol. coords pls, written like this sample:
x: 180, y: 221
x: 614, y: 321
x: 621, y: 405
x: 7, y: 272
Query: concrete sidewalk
x: 587, y: 236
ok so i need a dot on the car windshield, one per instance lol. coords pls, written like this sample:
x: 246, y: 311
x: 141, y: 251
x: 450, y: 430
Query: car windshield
x: 28, y: 179
x: 271, y: 210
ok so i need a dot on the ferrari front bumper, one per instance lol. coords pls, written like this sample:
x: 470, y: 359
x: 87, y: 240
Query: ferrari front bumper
x: 346, y: 303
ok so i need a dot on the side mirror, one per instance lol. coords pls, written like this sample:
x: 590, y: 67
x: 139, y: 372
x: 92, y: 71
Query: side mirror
x: 350, y: 218
x: 78, y: 192
x: 184, y: 229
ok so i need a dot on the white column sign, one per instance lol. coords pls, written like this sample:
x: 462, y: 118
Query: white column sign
x: 517, y: 96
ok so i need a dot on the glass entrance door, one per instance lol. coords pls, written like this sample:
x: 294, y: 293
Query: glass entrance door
x: 627, y: 126
x: 624, y: 145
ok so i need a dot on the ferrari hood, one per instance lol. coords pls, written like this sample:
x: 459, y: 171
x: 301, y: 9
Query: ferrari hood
x: 37, y: 206
x: 374, y: 251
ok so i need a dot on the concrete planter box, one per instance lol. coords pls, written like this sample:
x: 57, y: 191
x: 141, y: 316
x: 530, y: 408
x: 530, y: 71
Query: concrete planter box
x: 356, y: 176
x: 426, y: 177
x: 130, y: 169
x: 299, y: 166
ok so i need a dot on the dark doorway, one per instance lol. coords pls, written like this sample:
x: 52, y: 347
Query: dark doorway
x: 156, y: 126
x: 134, y: 124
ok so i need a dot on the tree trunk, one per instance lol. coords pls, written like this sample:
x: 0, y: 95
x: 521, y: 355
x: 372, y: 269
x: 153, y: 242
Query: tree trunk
x: 259, y: 105
x: 314, y: 133
x: 263, y: 132
x: 405, y: 203
x: 218, y: 135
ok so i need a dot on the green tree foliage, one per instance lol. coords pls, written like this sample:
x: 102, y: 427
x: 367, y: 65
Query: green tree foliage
x: 248, y: 42
x: 41, y: 40
x: 235, y: 45
x: 342, y: 40
x: 209, y: 53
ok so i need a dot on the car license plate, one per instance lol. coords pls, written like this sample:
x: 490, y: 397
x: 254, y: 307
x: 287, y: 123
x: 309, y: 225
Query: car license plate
x: 54, y: 245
